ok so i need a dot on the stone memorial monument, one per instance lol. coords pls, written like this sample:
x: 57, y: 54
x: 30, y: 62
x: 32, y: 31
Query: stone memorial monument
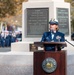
x: 35, y: 17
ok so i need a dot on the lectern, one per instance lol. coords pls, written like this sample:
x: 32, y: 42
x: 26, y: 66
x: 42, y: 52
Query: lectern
x: 50, y: 62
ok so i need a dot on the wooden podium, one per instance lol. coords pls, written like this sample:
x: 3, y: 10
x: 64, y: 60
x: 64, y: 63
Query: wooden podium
x: 50, y: 62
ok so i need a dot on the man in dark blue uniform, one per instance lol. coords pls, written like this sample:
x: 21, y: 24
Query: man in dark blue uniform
x: 53, y: 35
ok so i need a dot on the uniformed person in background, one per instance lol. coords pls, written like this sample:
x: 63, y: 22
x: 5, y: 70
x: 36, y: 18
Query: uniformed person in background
x: 53, y: 35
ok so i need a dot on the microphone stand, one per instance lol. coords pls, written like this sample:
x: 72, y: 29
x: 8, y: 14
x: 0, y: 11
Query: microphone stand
x: 69, y: 43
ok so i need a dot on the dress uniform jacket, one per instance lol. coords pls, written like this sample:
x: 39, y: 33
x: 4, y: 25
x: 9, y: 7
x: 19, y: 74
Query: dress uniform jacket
x: 47, y: 37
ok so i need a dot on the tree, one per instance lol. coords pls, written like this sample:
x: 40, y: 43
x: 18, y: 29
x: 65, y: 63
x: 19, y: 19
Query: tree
x: 10, y: 7
x: 68, y: 0
x: 7, y: 7
x: 72, y: 25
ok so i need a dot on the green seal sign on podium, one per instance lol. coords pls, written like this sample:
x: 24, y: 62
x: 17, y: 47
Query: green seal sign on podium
x: 49, y: 65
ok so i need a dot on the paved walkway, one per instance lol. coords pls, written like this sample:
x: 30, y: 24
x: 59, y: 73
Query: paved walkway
x: 5, y: 49
x: 22, y: 64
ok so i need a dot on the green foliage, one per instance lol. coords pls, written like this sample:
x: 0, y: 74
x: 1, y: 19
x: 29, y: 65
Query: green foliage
x: 68, y: 1
x: 72, y: 25
x: 7, y: 7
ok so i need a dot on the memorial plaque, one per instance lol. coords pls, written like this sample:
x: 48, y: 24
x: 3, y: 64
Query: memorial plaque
x: 37, y: 21
x: 63, y: 19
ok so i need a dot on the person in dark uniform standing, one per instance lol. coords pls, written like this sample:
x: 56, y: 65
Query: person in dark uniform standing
x: 53, y: 35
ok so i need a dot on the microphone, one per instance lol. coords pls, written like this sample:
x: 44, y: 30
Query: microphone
x: 69, y: 43
x: 52, y: 30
